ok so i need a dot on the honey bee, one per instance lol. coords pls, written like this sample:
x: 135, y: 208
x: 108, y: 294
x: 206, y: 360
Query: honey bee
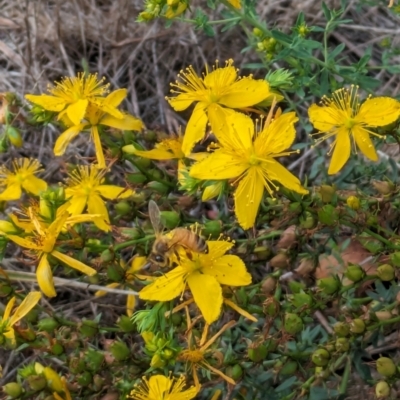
x: 164, y: 246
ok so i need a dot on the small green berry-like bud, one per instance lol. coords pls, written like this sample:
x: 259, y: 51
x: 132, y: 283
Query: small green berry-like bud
x: 289, y: 368
x: 329, y: 285
x: 89, y: 328
x: 170, y: 219
x: 57, y: 349
x: 120, y: 350
x: 327, y: 193
x: 320, y: 357
x: 123, y: 208
x: 385, y: 272
x: 353, y: 202
x: 328, y: 215
x: 357, y: 326
x: 85, y: 379
x: 14, y: 135
x: 307, y: 220
x: 94, y: 360
x: 212, y: 229
x: 354, y: 273
x: 293, y: 323
x: 382, y: 390
x: 257, y: 32
x: 342, y: 329
x: 158, y: 187
x: 342, y: 345
x: 235, y: 372
x: 395, y: 258
x: 13, y: 389
x: 257, y: 353
x: 125, y: 323
x: 385, y: 366
x: 36, y: 382
x: 157, y: 361
x: 48, y: 324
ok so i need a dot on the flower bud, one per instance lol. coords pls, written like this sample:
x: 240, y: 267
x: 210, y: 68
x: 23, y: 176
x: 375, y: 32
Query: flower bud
x: 354, y: 273
x: 84, y: 379
x: 302, y: 300
x: 157, y: 361
x: 293, y: 323
x: 257, y: 32
x: 289, y: 368
x: 123, y: 208
x: 14, y: 136
x: 385, y: 366
x: 322, y: 373
x: 329, y: 285
x: 114, y: 272
x: 94, y: 360
x: 307, y: 220
x: 170, y: 219
x: 125, y: 324
x: 382, y: 390
x: 132, y: 233
x: 120, y: 350
x: 89, y: 328
x: 383, y: 315
x: 342, y: 345
x: 288, y: 238
x: 384, y: 188
x: 158, y: 187
x: 57, y: 349
x: 306, y: 266
x: 36, y: 382
x: 107, y: 256
x: 328, y: 215
x: 320, y: 357
x: 385, y: 272
x: 268, y: 286
x: 395, y: 258
x: 327, y: 193
x: 235, y: 372
x: 280, y: 261
x: 353, y: 202
x: 136, y: 178
x: 13, y: 389
x: 341, y: 329
x: 357, y: 326
x: 271, y: 307
x: 257, y: 352
x: 212, y: 229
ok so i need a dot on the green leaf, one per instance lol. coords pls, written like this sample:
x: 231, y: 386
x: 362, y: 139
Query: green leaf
x: 286, y: 384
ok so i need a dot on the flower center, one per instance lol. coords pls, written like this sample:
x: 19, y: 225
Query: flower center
x: 254, y: 160
x: 193, y: 356
x: 349, y: 124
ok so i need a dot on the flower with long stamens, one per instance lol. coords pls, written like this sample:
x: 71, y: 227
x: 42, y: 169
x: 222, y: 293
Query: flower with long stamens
x: 250, y: 158
x: 93, y: 119
x: 130, y: 275
x: 9, y: 319
x: 160, y: 387
x: 213, y: 92
x: 86, y: 189
x: 22, y: 176
x: 203, y: 274
x: 350, y: 123
x: 72, y: 96
x: 42, y: 241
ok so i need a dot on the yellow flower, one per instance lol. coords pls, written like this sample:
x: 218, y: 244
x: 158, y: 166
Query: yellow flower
x: 159, y: 387
x: 349, y: 122
x: 130, y: 275
x: 204, y: 274
x: 85, y: 188
x: 55, y: 382
x: 42, y: 243
x: 251, y: 158
x: 195, y: 355
x: 94, y: 117
x: 235, y: 3
x: 175, y: 10
x: 21, y: 177
x: 72, y: 96
x: 217, y: 89
x: 8, y: 321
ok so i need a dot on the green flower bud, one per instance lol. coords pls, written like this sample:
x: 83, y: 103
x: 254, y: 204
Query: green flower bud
x: 57, y: 349
x: 395, y: 258
x: 307, y: 220
x: 302, y: 300
x: 235, y: 372
x: 382, y: 390
x: 271, y: 307
x: 385, y: 272
x: 176, y: 319
x: 89, y: 328
x: 36, y: 382
x: 136, y: 178
x: 123, y: 208
x: 320, y: 357
x: 262, y: 252
x: 94, y: 360
x: 329, y: 285
x: 120, y: 351
x: 328, y: 215
x: 371, y: 244
x: 158, y: 187
x: 342, y: 345
x: 257, y: 352
x: 295, y: 207
x: 14, y: 136
x: 327, y: 193
x: 125, y: 324
x: 132, y: 233
x: 170, y: 219
x: 289, y: 368
x: 357, y: 326
x: 13, y: 389
x: 354, y: 273
x: 322, y: 373
x: 115, y: 272
x: 293, y: 323
x: 143, y: 163
x: 385, y: 366
x: 212, y: 229
x: 257, y: 32
x: 341, y: 329
x: 353, y: 202
x: 107, y: 256
x: 84, y: 379
x: 167, y: 354
x: 157, y: 361
x: 76, y: 365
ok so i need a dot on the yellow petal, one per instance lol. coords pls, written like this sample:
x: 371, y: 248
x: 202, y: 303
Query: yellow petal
x: 207, y: 294
x: 274, y: 171
x: 71, y: 262
x: 65, y: 138
x: 34, y: 185
x: 278, y: 136
x: 76, y: 111
x: 159, y: 385
x: 27, y: 304
x: 57, y: 225
x: 97, y: 206
x: 378, y: 111
x: 44, y: 277
x: 98, y: 148
x: 364, y: 142
x: 47, y: 102
x: 219, y: 165
x: 7, y: 227
x: 341, y: 152
x: 115, y: 98
x: 245, y: 92
x: 195, y: 129
x: 221, y: 77
x: 24, y: 242
x: 76, y: 204
x: 325, y: 118
x: 154, y: 154
x: 212, y: 191
x: 166, y: 287
x: 12, y: 192
x: 181, y: 102
x: 137, y: 264
x: 100, y: 293
x: 130, y: 304
x: 114, y: 192
x: 8, y: 309
x: 228, y: 270
x: 248, y: 197
x: 217, y: 248
x: 127, y: 122
x: 53, y: 379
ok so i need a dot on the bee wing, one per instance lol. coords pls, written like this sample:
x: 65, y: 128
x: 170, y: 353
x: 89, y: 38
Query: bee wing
x: 155, y: 217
